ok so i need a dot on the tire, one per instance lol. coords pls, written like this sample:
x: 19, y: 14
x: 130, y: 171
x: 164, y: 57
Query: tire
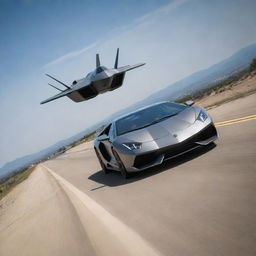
x: 103, y: 167
x: 121, y: 166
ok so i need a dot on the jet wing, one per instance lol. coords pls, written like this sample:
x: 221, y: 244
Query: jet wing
x: 129, y: 67
x: 59, y: 95
x: 79, y: 85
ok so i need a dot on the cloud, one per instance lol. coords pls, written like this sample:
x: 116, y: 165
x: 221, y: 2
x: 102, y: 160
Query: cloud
x: 71, y: 55
x: 163, y: 10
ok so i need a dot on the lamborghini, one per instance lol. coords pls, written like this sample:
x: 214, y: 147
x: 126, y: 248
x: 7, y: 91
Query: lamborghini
x: 151, y: 135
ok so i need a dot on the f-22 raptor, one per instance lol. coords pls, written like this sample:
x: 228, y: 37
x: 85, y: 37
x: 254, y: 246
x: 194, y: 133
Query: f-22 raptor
x: 99, y: 81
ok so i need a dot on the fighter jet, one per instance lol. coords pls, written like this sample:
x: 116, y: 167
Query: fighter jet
x: 99, y: 81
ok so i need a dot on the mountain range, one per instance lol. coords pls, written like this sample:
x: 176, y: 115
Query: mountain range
x: 198, y: 80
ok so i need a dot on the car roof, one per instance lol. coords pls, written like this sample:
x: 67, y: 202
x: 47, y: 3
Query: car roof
x: 139, y: 109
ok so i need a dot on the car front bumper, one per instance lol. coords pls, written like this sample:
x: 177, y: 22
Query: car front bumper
x: 144, y: 160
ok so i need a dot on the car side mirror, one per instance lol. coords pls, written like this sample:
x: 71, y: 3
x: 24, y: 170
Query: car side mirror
x: 103, y: 137
x: 189, y: 103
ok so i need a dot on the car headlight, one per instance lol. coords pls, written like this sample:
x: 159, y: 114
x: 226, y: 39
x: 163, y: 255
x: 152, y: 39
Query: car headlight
x: 132, y: 145
x: 202, y: 116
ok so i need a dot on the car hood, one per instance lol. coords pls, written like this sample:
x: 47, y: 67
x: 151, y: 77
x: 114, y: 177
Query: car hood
x: 164, y: 128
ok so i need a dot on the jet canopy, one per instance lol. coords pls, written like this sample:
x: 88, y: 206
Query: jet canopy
x: 100, y: 69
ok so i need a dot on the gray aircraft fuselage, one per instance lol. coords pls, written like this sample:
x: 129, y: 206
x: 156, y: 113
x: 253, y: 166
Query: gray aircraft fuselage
x: 100, y: 81
x: 96, y: 82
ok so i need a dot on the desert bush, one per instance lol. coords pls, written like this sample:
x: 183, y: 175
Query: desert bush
x: 253, y: 65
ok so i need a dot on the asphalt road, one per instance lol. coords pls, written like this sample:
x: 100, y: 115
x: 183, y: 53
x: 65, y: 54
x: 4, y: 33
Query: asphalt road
x: 202, y: 203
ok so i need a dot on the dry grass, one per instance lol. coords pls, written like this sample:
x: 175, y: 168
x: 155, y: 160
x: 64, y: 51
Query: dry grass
x: 230, y: 98
x: 14, y: 180
x: 238, y: 89
x: 241, y: 85
x: 87, y: 138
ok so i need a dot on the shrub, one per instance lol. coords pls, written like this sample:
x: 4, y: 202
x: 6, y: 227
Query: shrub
x: 253, y: 65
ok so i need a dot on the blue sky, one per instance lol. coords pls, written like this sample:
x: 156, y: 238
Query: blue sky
x: 175, y: 38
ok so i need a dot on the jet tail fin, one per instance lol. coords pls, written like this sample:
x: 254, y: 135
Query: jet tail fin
x: 116, y: 61
x: 97, y: 60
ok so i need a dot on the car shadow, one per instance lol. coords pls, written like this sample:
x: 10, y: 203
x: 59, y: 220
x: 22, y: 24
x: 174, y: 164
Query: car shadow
x: 115, y: 179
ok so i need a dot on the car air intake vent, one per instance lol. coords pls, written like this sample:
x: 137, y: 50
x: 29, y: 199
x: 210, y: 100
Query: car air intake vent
x: 144, y: 160
x: 104, y: 152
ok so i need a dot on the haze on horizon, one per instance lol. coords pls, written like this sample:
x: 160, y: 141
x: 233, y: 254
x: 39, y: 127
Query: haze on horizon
x: 175, y: 38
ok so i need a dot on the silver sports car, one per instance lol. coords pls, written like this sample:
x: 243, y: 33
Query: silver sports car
x: 151, y: 135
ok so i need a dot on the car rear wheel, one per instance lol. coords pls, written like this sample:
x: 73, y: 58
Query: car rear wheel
x: 121, y: 166
x: 103, y: 167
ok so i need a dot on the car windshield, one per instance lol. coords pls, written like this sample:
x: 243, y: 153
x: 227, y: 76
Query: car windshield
x: 147, y: 116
